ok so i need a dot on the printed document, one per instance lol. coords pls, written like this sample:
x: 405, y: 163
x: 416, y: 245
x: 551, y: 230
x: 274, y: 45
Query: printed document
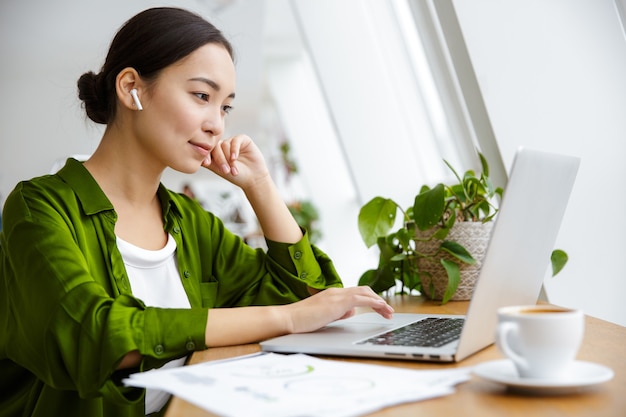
x: 278, y: 385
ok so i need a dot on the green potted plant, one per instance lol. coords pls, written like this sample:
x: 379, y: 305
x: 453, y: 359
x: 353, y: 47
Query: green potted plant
x: 438, y: 249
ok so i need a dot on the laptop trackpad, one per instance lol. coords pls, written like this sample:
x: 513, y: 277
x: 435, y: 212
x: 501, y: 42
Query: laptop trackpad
x: 366, y: 324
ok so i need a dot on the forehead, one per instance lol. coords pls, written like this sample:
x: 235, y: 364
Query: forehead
x: 211, y: 61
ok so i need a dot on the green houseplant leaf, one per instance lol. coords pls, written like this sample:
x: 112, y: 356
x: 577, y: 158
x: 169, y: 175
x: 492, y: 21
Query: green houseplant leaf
x: 376, y: 218
x: 379, y: 280
x: 428, y: 207
x: 458, y: 251
x: 558, y: 259
x: 454, y: 277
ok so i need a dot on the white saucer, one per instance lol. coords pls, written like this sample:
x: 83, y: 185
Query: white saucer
x: 581, y: 375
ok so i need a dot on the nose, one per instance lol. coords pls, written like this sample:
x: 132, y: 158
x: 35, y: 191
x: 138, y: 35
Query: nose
x: 213, y: 123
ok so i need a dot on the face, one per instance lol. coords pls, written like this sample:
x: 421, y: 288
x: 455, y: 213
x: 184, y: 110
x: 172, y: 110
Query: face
x: 184, y: 112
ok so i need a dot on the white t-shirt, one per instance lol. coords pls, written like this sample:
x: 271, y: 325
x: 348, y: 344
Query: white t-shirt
x: 154, y: 279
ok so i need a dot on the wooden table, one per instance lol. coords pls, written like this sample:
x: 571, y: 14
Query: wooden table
x: 604, y: 343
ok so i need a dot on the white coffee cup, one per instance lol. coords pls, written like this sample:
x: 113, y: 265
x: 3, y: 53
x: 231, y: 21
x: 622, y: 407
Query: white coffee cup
x: 541, y: 340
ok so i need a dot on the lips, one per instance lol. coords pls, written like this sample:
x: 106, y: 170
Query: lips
x: 202, y: 148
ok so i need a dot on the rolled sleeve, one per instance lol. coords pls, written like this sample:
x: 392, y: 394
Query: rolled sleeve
x: 171, y: 333
x: 306, y: 262
x: 303, y: 259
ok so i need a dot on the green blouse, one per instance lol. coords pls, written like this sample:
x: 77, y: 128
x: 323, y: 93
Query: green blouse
x: 67, y: 313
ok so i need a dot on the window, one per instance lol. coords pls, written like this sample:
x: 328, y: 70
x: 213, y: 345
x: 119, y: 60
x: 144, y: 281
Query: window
x: 364, y: 110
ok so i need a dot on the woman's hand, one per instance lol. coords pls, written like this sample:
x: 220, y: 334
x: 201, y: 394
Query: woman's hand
x: 235, y: 326
x: 332, y: 304
x: 239, y: 161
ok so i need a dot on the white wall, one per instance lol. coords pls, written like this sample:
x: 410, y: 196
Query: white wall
x: 553, y: 77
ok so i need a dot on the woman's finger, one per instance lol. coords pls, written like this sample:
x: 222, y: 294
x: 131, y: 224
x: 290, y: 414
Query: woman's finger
x: 235, y: 147
x: 376, y: 303
x: 231, y: 149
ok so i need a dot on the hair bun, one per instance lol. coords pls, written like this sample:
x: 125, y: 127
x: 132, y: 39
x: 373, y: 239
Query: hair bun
x: 93, y: 96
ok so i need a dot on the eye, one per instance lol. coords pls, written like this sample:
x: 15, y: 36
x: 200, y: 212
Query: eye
x: 202, y: 96
x: 227, y: 109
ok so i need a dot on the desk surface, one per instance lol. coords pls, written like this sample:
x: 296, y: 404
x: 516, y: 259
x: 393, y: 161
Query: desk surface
x: 604, y: 343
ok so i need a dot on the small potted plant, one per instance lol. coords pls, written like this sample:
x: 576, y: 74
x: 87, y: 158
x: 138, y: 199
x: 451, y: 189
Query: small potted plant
x: 439, y: 247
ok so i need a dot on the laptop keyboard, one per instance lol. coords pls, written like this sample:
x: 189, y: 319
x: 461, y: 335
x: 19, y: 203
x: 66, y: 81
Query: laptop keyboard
x: 430, y: 332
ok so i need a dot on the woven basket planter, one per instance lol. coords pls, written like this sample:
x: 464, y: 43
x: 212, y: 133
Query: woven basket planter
x: 474, y: 236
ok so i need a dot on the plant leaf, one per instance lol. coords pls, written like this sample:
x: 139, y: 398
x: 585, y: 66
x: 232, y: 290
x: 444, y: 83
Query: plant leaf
x: 376, y: 218
x: 411, y: 280
x: 428, y: 207
x: 451, y: 220
x: 488, y: 186
x: 484, y: 164
x: 378, y: 279
x: 398, y: 257
x: 458, y: 251
x: 558, y: 258
x: 454, y: 277
x: 388, y: 248
x: 404, y: 237
x: 458, y: 191
x: 441, y: 233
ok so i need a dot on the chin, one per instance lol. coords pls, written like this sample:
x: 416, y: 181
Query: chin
x: 187, y: 168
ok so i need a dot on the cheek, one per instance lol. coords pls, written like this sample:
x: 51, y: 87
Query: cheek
x: 183, y: 123
x: 175, y: 118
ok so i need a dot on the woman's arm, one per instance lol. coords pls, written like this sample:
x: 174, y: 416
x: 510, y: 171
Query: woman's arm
x: 233, y: 326
x: 241, y: 325
x: 274, y: 217
x: 240, y: 161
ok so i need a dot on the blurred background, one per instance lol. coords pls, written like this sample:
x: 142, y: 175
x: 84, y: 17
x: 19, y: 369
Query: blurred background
x: 354, y: 99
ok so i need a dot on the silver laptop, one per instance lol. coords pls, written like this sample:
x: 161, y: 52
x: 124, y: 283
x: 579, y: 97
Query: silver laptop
x: 514, y: 266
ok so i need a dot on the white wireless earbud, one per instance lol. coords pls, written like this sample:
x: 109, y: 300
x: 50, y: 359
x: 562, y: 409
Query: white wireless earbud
x: 133, y: 93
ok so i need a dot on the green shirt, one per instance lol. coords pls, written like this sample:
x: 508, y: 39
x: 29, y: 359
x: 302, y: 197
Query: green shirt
x: 67, y: 313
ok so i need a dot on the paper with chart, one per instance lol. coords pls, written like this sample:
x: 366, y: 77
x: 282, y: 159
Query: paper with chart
x: 277, y: 385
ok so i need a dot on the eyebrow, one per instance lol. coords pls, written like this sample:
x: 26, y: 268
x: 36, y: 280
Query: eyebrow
x: 211, y: 84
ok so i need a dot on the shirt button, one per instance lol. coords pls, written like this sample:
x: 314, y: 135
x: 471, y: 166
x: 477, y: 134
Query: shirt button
x: 303, y: 275
x: 190, y: 346
x: 176, y: 230
x: 159, y: 349
x: 297, y: 255
x: 186, y: 274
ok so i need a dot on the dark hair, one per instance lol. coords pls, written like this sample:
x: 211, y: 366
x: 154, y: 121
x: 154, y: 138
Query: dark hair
x: 148, y: 42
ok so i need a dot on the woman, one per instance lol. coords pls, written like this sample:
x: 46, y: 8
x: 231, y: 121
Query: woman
x: 105, y: 272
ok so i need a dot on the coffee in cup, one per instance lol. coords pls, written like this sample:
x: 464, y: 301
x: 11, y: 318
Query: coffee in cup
x: 541, y: 340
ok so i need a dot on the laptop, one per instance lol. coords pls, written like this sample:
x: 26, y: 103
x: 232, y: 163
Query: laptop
x: 516, y: 261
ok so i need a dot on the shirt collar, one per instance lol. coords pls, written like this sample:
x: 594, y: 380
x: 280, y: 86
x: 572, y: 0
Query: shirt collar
x: 91, y: 196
